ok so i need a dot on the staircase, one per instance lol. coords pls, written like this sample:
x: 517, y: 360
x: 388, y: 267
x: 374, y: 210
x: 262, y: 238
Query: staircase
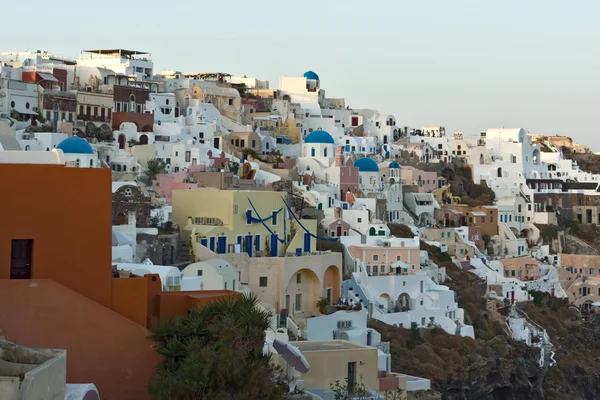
x: 412, y: 215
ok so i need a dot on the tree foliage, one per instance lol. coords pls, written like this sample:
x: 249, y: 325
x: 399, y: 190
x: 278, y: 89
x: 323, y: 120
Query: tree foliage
x: 154, y: 167
x: 216, y: 352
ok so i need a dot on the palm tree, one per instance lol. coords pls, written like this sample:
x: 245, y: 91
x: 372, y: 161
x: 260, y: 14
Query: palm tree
x: 216, y: 352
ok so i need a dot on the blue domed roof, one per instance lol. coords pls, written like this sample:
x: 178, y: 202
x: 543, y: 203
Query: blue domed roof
x: 311, y: 75
x: 394, y: 164
x: 366, y: 165
x: 319, y: 137
x: 75, y: 145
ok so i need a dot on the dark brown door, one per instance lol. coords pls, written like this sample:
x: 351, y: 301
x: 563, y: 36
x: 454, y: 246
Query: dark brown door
x: 20, y: 260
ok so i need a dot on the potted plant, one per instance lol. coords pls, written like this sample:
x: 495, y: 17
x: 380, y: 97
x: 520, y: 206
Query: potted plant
x: 322, y: 304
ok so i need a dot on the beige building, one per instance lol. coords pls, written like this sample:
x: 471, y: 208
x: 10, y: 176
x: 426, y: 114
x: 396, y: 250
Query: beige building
x: 236, y: 142
x: 226, y: 100
x: 291, y: 283
x: 341, y: 361
x: 580, y: 277
x: 94, y: 106
x: 522, y: 268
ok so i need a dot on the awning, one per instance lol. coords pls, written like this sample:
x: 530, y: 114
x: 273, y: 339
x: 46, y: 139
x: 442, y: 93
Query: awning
x: 23, y: 110
x: 47, y: 77
x: 478, y: 214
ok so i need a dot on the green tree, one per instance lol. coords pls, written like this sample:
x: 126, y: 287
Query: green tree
x: 216, y: 352
x: 154, y: 167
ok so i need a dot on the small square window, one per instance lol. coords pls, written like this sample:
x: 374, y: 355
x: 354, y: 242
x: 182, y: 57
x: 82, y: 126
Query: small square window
x: 262, y: 281
x: 359, y: 220
x: 199, y: 272
x: 375, y: 257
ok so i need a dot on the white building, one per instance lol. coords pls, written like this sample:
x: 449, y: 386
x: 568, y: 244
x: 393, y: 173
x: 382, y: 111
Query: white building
x: 407, y: 300
x: 136, y: 64
x: 79, y: 153
x: 216, y: 274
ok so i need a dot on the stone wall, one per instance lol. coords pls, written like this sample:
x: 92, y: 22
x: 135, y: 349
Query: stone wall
x: 162, y: 249
x: 132, y: 200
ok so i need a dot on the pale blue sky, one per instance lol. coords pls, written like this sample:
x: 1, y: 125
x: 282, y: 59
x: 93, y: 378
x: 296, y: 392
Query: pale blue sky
x: 466, y: 65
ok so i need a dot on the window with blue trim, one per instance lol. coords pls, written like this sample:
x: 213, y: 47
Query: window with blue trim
x: 274, y: 217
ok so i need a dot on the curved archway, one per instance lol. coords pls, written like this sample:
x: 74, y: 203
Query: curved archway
x: 404, y: 302
x: 304, y: 289
x: 121, y: 141
x: 144, y: 139
x: 384, y: 300
x: 535, y: 156
x: 120, y: 219
x: 332, y: 284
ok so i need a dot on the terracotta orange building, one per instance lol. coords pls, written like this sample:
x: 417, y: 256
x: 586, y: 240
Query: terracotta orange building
x: 56, y: 283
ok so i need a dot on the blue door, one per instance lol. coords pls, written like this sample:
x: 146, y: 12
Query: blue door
x: 212, y: 243
x: 248, y: 246
x: 274, y: 246
x: 222, y: 244
x: 306, y: 242
x: 519, y: 251
x: 299, y: 251
x: 204, y: 242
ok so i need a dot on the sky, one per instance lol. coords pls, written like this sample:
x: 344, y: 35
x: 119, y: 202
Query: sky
x: 468, y: 65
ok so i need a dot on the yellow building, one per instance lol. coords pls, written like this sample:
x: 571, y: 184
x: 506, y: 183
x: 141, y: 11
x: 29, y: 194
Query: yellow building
x: 240, y: 221
x: 342, y: 361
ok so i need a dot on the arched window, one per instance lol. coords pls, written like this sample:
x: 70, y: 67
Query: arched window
x: 325, y: 152
x: 312, y: 152
x: 27, y: 148
x: 91, y: 163
x: 132, y: 97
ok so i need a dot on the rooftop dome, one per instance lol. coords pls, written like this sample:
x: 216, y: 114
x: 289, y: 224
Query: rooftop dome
x: 319, y: 137
x: 394, y: 164
x: 75, y: 145
x: 366, y: 165
x: 311, y: 75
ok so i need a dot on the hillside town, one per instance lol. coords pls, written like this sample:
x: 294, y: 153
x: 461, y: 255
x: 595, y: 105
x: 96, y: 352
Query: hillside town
x: 339, y: 224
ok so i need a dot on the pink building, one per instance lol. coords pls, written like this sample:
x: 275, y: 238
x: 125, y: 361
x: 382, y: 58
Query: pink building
x: 348, y: 174
x: 426, y: 181
x: 379, y: 259
x: 164, y: 184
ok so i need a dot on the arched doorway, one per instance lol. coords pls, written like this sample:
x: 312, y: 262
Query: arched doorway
x: 304, y: 290
x: 384, y: 302
x: 403, y: 302
x: 332, y: 284
x: 372, y: 231
x: 121, y: 141
x: 144, y: 139
x: 120, y: 219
